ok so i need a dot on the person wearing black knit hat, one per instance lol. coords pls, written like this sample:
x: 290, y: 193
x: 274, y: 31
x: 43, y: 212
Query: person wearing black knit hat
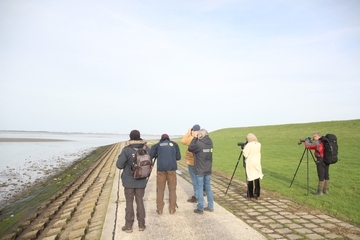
x: 167, y: 153
x: 133, y: 188
x: 135, y: 135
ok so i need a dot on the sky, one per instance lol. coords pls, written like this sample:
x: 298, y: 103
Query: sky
x: 163, y: 66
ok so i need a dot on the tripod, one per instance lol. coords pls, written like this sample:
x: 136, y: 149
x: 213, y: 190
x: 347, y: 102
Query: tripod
x: 307, y: 167
x: 237, y: 163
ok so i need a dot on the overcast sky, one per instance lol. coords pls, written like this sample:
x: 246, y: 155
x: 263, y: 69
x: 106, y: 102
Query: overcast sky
x: 163, y: 66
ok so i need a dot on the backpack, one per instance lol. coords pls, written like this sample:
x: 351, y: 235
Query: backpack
x: 141, y: 167
x: 330, y: 148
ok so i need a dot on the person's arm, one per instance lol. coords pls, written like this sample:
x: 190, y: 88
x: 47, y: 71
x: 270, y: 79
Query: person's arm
x: 186, y: 139
x: 311, y: 145
x: 122, y: 160
x: 177, y: 149
x: 246, y: 150
x: 193, y: 147
x: 153, y: 151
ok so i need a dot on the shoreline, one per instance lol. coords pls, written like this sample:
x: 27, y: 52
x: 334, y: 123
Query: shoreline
x: 15, y: 182
x: 32, y: 140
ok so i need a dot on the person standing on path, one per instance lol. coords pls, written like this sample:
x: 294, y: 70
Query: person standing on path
x: 252, y: 154
x: 167, y: 153
x: 189, y: 157
x: 133, y: 188
x: 202, y: 147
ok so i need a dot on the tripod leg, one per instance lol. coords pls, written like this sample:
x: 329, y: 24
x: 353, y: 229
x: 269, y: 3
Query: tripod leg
x: 298, y: 167
x: 307, y: 171
x: 312, y: 155
x: 234, y: 171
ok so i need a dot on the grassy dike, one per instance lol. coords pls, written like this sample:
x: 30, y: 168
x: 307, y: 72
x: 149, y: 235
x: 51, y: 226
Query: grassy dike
x: 27, y: 203
x: 281, y: 156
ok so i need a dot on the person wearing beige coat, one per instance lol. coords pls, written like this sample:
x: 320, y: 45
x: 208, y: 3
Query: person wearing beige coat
x: 252, y: 154
x: 189, y: 157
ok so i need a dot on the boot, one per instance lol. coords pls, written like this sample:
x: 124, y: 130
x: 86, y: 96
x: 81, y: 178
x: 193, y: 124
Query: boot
x: 320, y: 188
x: 326, y: 187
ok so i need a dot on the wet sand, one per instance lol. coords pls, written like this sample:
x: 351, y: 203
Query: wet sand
x: 15, y: 182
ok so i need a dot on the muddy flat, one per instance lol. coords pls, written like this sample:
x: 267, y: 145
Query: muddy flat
x: 32, y: 140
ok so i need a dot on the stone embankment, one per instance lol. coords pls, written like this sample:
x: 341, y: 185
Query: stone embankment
x: 75, y: 212
x: 79, y: 211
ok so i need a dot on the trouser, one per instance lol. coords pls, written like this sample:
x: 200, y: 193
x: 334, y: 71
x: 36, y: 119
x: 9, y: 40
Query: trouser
x: 162, y: 178
x: 138, y: 193
x: 203, y: 182
x: 193, y: 177
x: 322, y: 169
x: 251, y: 191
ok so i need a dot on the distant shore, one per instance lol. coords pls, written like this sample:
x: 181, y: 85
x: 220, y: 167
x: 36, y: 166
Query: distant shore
x: 32, y: 140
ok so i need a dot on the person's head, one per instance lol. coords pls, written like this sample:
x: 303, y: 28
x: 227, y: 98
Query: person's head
x: 251, y: 138
x: 316, y: 136
x: 135, y: 135
x: 196, y: 127
x: 165, y: 136
x: 202, y: 133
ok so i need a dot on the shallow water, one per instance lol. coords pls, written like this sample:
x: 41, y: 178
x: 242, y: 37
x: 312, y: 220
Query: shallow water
x: 26, y: 162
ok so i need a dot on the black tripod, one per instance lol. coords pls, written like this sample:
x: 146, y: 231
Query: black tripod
x: 307, y: 167
x: 237, y: 163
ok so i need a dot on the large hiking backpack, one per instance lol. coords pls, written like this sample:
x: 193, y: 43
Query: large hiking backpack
x: 330, y: 148
x: 141, y: 167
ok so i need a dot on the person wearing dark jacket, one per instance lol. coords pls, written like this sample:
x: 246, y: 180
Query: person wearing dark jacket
x: 167, y: 153
x: 202, y: 148
x: 321, y: 167
x: 133, y: 188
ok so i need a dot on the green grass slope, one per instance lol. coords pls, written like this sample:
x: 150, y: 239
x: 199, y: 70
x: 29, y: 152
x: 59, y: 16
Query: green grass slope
x: 281, y: 156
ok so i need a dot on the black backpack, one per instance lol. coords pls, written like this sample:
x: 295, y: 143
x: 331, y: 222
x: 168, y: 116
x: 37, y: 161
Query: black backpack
x: 330, y: 148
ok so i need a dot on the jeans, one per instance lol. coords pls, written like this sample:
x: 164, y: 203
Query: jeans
x: 193, y: 177
x: 201, y: 182
x: 162, y: 178
x: 138, y: 193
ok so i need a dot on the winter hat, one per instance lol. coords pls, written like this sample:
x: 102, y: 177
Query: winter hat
x: 164, y: 136
x: 196, y: 127
x: 251, y: 138
x: 135, y: 135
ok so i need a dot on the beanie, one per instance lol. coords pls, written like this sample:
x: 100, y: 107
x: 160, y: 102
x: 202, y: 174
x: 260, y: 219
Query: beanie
x: 164, y: 136
x: 196, y: 127
x: 135, y: 135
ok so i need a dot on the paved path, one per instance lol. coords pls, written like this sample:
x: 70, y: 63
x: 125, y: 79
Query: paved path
x: 184, y: 224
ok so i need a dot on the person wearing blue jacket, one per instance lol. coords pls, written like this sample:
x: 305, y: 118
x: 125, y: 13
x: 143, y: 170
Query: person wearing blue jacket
x: 133, y: 188
x: 167, y: 153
